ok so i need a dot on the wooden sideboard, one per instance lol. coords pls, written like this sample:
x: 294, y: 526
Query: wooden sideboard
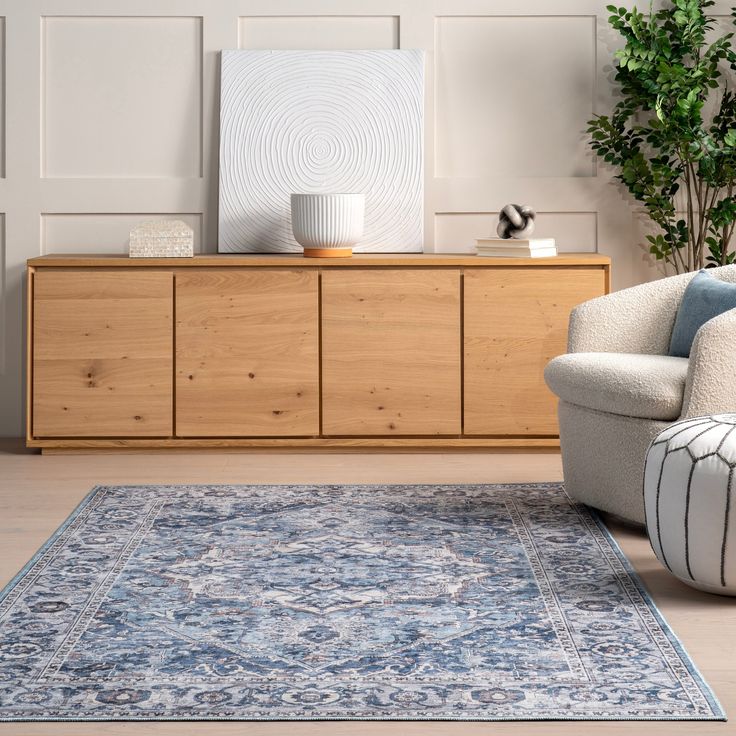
x: 255, y: 351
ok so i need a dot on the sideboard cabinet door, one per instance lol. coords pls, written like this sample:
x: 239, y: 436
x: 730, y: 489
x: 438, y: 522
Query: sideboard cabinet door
x: 391, y: 352
x: 515, y: 322
x: 247, y: 353
x: 102, y: 354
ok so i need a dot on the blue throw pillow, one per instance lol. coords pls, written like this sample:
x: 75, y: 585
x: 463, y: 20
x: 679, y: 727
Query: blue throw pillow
x: 705, y: 297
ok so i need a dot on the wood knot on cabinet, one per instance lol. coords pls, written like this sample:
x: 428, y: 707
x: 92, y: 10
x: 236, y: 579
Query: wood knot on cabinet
x: 450, y: 342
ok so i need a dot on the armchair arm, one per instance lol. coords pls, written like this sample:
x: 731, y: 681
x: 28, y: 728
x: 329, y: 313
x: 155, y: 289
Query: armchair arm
x: 634, y: 320
x: 710, y: 387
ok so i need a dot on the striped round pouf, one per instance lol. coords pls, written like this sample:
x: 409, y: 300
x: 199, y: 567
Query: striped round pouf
x: 689, y: 483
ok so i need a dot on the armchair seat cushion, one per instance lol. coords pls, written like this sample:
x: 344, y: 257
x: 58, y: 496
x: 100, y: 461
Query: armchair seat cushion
x: 628, y: 384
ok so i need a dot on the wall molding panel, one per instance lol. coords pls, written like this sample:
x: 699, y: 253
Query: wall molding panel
x: 103, y: 232
x: 495, y: 82
x: 319, y: 32
x: 109, y: 112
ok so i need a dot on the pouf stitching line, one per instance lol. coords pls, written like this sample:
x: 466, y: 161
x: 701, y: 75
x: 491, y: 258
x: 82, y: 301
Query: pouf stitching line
x: 707, y: 420
x: 659, y: 489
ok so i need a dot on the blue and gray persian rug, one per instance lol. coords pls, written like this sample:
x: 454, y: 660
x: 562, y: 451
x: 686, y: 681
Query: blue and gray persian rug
x: 503, y: 602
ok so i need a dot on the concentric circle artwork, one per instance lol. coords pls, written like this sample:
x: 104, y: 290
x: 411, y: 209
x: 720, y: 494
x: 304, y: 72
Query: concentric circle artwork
x: 321, y: 122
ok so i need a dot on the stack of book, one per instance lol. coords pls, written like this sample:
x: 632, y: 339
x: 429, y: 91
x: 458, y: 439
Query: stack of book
x: 512, y: 248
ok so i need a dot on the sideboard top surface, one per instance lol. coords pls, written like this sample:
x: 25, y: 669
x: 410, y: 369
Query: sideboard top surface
x: 298, y: 261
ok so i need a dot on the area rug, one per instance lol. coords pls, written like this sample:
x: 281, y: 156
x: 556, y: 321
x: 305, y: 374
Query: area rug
x: 457, y: 602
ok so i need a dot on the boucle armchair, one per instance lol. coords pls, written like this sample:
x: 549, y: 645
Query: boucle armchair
x: 618, y: 388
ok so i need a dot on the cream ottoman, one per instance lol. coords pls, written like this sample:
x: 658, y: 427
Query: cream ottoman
x: 689, y: 486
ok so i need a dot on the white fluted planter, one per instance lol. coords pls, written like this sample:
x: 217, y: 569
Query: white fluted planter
x: 690, y: 501
x: 327, y: 225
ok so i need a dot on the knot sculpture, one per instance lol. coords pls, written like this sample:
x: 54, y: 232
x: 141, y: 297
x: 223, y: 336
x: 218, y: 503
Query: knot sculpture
x: 516, y: 221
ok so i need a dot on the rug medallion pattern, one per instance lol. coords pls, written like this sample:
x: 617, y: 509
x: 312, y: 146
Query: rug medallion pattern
x: 501, y: 602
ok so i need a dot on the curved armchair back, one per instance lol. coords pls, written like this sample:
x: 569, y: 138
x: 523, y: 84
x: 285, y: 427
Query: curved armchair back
x: 635, y: 320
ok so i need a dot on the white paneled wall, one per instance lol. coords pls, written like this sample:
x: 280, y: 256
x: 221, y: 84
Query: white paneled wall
x: 103, y: 232
x: 511, y: 95
x: 109, y: 116
x: 319, y: 32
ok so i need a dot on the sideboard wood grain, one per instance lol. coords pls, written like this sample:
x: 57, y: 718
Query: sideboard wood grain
x: 514, y: 325
x: 420, y: 351
x: 247, y: 353
x: 102, y: 354
x: 391, y: 352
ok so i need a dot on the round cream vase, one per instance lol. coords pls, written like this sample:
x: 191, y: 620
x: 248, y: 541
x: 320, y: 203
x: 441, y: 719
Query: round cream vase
x: 327, y: 225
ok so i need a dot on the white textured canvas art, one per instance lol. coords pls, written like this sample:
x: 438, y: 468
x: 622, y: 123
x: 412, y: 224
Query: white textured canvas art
x: 321, y: 122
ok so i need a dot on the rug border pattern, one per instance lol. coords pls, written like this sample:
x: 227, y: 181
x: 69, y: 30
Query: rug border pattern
x: 593, y: 522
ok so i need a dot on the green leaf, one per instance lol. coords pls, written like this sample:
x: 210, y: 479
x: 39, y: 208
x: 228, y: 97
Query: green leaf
x: 675, y: 117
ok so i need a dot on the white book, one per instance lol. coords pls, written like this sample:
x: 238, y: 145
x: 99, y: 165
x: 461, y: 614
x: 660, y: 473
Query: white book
x: 513, y: 244
x: 518, y: 253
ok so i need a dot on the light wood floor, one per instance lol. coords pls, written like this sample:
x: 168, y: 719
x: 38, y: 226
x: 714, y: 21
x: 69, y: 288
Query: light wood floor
x: 38, y: 492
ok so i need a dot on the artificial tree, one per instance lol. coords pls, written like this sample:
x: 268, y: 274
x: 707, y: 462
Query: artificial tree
x: 672, y: 136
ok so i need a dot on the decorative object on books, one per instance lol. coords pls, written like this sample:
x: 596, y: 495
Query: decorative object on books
x: 456, y: 602
x: 321, y: 121
x: 516, y: 221
x: 327, y: 225
x: 513, y: 248
x: 162, y: 239
x: 689, y: 487
x: 672, y: 135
